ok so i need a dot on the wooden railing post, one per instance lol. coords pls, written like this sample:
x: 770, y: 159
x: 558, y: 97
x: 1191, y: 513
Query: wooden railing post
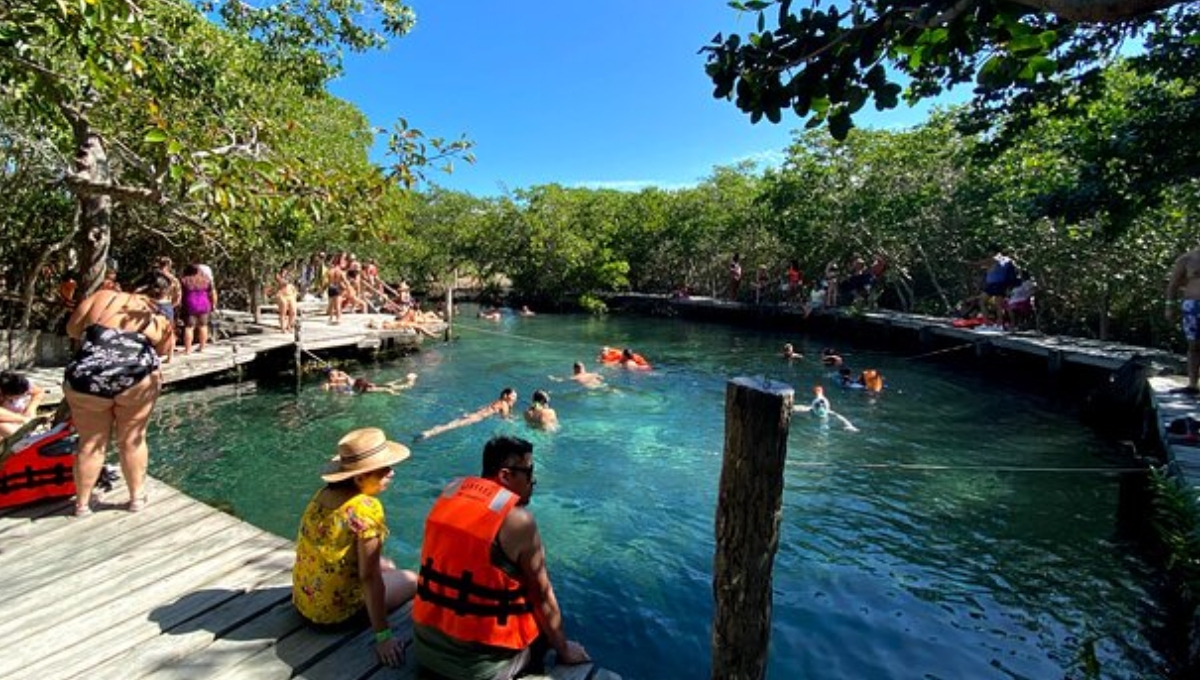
x: 758, y: 414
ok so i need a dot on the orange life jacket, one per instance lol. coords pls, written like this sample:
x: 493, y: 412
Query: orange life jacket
x: 872, y: 380
x: 459, y: 591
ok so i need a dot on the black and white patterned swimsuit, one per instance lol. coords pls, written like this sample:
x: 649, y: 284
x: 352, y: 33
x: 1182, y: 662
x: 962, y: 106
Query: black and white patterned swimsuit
x: 110, y: 361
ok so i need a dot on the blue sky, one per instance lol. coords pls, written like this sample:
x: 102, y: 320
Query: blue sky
x: 599, y: 94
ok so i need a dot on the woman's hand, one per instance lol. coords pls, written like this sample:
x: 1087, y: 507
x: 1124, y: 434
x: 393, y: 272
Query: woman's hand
x: 391, y: 652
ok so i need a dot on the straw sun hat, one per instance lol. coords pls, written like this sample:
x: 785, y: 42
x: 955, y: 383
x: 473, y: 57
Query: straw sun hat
x: 363, y: 450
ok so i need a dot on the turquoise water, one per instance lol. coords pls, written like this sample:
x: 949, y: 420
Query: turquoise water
x: 968, y: 572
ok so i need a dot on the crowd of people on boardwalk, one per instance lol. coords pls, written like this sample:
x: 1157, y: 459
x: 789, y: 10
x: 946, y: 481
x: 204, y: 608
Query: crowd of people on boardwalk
x: 1006, y: 299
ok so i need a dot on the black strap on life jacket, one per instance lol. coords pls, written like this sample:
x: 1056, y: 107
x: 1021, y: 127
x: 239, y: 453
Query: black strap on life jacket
x: 31, y: 478
x: 472, y: 599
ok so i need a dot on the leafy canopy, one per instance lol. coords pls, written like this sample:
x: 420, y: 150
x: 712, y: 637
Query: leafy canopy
x: 828, y: 59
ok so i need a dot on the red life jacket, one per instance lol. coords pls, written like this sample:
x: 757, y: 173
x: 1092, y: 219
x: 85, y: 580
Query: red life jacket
x: 459, y: 591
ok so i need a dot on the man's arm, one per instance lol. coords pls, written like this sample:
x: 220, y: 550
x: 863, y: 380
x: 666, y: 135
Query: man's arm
x: 523, y: 544
x: 1177, y: 279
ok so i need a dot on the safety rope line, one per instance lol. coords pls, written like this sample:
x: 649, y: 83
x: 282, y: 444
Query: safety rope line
x: 927, y: 467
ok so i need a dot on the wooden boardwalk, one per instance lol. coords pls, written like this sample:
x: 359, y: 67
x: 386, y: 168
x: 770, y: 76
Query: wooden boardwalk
x: 1057, y: 350
x: 250, y: 342
x: 179, y: 590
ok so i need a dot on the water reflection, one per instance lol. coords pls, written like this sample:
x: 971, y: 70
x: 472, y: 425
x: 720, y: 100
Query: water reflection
x: 968, y: 572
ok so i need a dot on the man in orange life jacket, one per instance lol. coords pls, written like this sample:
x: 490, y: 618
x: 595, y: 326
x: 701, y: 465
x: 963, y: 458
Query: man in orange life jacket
x: 485, y: 608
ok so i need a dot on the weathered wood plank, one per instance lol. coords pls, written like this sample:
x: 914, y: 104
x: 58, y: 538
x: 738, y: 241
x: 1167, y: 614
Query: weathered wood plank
x: 125, y: 647
x: 176, y: 640
x: 356, y: 659
x: 81, y: 616
x: 140, y: 568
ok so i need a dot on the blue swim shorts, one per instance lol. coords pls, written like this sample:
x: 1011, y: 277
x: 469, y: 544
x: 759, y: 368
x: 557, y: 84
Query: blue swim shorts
x: 1191, y: 320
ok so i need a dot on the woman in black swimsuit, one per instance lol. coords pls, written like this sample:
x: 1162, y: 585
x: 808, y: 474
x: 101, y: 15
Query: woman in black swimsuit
x: 113, y: 381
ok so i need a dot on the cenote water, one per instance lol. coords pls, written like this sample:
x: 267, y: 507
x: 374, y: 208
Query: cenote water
x: 973, y: 572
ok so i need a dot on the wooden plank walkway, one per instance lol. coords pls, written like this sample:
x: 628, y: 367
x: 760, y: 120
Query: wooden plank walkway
x: 252, y: 341
x: 179, y: 590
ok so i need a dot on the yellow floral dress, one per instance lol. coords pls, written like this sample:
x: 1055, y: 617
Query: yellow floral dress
x: 325, y: 583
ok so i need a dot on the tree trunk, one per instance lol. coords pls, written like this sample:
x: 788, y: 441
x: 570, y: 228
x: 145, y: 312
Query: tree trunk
x: 95, y: 211
x: 933, y: 278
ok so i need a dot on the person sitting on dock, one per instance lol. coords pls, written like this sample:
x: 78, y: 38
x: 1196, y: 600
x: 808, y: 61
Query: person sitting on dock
x: 503, y: 617
x: 539, y: 415
x: 502, y: 408
x: 341, y: 580
x: 19, y: 401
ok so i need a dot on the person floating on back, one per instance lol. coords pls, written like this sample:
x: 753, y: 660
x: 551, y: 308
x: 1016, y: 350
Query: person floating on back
x: 485, y: 607
x: 502, y: 408
x: 340, y: 381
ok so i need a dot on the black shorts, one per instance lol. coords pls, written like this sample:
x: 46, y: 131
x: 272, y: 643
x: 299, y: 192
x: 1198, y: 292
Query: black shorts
x: 334, y: 291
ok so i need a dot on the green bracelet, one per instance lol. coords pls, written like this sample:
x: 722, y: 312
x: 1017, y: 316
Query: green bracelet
x: 383, y: 635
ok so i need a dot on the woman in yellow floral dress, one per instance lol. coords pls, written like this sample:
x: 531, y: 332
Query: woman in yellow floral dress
x: 341, y: 578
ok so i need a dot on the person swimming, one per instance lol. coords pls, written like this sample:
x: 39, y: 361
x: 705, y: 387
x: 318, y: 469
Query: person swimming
x: 790, y: 352
x: 500, y: 408
x: 820, y: 408
x: 830, y: 357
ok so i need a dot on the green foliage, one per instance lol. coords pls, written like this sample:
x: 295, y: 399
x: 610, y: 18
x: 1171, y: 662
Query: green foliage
x: 592, y: 305
x: 825, y: 61
x: 1175, y: 521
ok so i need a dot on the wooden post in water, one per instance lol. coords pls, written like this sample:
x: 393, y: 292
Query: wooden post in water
x: 450, y: 305
x: 299, y: 359
x: 758, y: 413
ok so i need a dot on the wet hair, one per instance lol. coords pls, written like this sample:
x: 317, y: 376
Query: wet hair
x: 507, y: 391
x: 13, y: 384
x: 577, y: 367
x: 626, y: 353
x: 362, y: 385
x: 154, y: 284
x: 540, y: 397
x: 502, y: 451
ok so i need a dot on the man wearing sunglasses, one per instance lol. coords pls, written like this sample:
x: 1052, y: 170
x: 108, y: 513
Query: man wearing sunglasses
x: 485, y: 607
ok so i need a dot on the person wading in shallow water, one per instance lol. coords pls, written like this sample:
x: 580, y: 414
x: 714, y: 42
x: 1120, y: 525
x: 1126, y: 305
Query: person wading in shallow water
x: 1183, y: 296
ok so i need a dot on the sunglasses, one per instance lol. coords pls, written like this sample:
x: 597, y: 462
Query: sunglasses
x: 528, y: 470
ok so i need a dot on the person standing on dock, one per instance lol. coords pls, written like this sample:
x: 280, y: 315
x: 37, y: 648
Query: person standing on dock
x: 341, y: 579
x: 1183, y: 289
x: 485, y: 607
x: 113, y: 382
x: 735, y: 276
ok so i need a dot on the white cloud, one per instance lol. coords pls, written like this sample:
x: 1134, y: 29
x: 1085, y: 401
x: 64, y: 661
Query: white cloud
x: 632, y: 185
x: 771, y: 158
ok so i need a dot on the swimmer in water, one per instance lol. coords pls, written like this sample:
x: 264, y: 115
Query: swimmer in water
x: 790, y: 352
x: 820, y: 408
x: 830, y: 357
